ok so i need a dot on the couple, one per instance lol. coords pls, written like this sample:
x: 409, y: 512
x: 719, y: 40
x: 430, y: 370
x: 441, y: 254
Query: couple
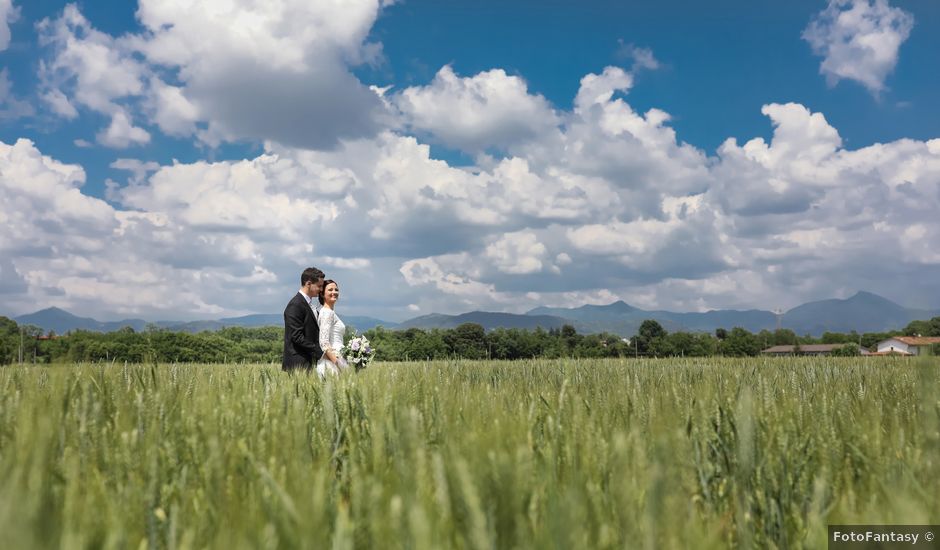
x: 313, y: 333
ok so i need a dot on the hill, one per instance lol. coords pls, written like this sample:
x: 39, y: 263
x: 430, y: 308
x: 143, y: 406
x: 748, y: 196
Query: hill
x: 61, y: 321
x: 489, y: 320
x: 863, y: 312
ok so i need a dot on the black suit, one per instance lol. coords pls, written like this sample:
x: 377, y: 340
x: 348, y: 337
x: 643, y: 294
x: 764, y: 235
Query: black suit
x: 301, y: 335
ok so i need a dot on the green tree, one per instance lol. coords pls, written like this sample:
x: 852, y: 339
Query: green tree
x: 848, y: 350
x: 649, y: 331
x: 740, y: 343
x: 784, y: 337
x: 9, y: 341
x: 467, y: 341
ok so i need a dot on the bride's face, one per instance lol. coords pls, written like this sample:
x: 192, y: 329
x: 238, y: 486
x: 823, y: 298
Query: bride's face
x: 330, y: 294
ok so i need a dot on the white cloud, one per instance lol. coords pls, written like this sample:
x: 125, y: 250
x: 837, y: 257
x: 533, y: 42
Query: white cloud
x: 859, y: 40
x: 263, y: 71
x: 599, y: 89
x: 643, y: 58
x: 429, y: 271
x: 59, y: 103
x: 170, y: 110
x: 76, y: 251
x: 346, y: 263
x: 488, y: 110
x: 241, y: 70
x: 608, y: 203
x: 517, y: 253
x: 87, y: 66
x: 121, y: 134
x: 138, y: 168
x: 8, y: 14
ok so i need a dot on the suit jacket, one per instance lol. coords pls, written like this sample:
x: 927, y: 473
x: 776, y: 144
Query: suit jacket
x: 301, y: 335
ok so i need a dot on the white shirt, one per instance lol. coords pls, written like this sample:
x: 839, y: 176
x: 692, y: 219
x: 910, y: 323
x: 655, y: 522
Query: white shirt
x: 314, y: 306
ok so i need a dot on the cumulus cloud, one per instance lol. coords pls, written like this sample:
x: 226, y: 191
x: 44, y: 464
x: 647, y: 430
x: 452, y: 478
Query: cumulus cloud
x: 87, y: 66
x: 139, y: 169
x: 8, y: 14
x: 121, y: 134
x: 517, y: 253
x: 59, y: 103
x: 271, y: 71
x: 859, y: 40
x: 488, y: 110
x: 787, y: 175
x: 587, y: 205
x: 170, y: 110
x: 438, y: 272
x: 346, y: 263
x: 220, y: 71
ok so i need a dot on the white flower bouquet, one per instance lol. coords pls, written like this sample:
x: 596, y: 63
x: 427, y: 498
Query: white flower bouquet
x: 359, y: 352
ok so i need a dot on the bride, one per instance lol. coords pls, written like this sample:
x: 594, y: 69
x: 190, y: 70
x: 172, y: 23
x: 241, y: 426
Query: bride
x: 332, y: 331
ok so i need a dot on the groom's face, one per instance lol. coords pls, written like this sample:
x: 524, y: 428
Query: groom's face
x: 313, y: 287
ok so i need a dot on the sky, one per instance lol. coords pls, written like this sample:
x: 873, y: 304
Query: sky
x: 184, y: 159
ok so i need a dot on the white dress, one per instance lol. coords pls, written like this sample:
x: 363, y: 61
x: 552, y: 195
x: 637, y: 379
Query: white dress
x: 332, y: 331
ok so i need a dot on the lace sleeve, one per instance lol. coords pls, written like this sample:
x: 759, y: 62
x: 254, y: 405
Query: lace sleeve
x: 327, y: 320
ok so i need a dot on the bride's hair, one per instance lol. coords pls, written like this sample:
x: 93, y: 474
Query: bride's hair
x: 323, y: 289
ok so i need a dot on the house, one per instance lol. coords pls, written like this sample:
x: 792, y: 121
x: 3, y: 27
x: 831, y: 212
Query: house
x: 806, y: 349
x: 908, y: 345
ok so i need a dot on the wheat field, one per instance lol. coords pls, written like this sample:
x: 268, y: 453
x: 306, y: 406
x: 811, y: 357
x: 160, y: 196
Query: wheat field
x: 672, y: 453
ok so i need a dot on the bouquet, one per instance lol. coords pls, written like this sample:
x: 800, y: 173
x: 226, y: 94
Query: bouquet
x: 359, y: 352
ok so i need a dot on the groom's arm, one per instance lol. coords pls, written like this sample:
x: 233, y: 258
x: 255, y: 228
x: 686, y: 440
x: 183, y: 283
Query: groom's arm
x: 294, y: 324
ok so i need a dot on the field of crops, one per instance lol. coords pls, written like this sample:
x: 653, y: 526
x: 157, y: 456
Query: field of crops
x: 540, y: 454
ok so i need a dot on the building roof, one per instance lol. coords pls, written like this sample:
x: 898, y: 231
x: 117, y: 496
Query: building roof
x: 918, y: 340
x: 805, y: 348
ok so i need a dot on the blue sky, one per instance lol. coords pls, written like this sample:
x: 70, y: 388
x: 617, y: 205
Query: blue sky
x: 224, y: 149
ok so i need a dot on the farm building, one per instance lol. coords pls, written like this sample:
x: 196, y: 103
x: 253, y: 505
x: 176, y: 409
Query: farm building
x: 806, y: 349
x: 910, y: 345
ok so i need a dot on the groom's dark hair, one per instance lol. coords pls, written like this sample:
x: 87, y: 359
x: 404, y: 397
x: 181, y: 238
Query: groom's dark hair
x: 311, y: 274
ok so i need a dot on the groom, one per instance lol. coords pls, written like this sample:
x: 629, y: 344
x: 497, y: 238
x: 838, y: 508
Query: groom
x: 301, y: 330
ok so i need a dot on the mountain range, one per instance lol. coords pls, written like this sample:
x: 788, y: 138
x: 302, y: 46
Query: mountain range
x: 863, y: 312
x: 62, y: 321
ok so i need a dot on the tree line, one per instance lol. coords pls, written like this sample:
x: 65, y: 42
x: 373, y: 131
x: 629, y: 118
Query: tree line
x: 468, y: 341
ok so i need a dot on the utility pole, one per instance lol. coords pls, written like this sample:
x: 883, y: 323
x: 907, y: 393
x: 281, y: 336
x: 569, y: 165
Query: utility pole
x: 21, y: 345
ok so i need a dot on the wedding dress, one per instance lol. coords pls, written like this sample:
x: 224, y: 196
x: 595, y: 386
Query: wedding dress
x: 332, y: 330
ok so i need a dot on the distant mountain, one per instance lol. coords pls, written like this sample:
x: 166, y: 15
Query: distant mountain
x: 754, y: 320
x: 255, y: 320
x: 489, y: 320
x: 59, y: 320
x: 359, y: 322
x: 625, y: 320
x: 618, y: 318
x: 62, y: 321
x: 863, y: 312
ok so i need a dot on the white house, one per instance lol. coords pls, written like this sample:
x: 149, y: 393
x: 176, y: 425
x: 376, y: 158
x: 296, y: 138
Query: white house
x: 908, y: 345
